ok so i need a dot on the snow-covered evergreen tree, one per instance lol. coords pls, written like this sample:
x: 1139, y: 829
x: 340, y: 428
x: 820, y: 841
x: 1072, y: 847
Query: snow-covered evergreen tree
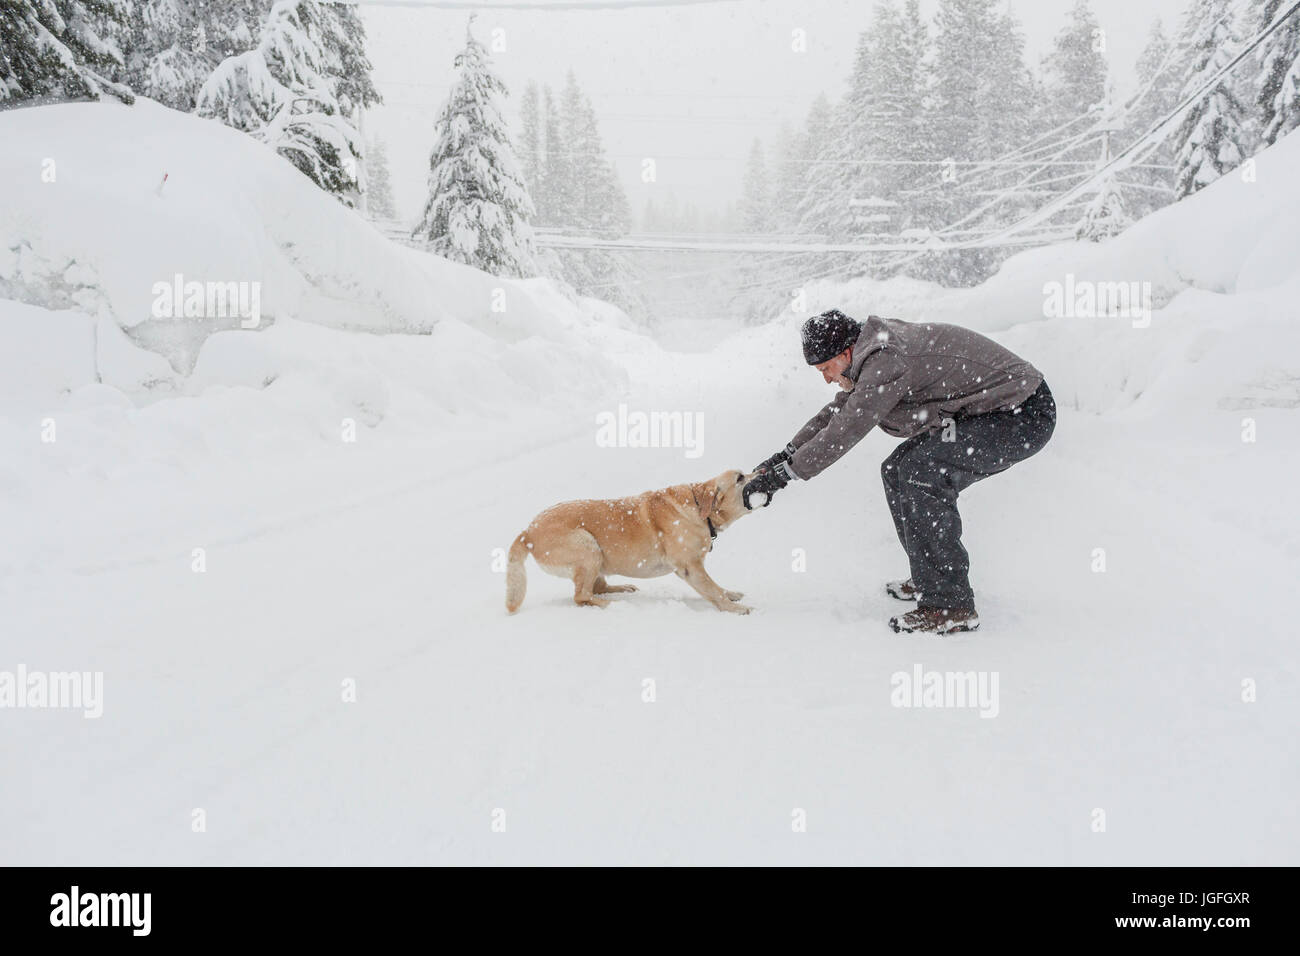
x: 755, y: 198
x: 557, y: 196
x: 787, y: 180
x: 478, y: 209
x: 1212, y: 138
x: 901, y: 131
x: 60, y: 50
x: 756, y: 216
x: 346, y: 63
x: 530, y: 141
x: 166, y: 53
x: 819, y: 206
x: 597, y: 199
x: 171, y: 47
x: 1012, y: 90
x: 881, y: 138
x: 1278, y: 81
x: 1107, y: 214
x: 1159, y: 83
x: 289, y: 92
x: 983, y: 104
x: 810, y: 202
x: 591, y: 202
x: 379, y: 186
x: 1075, y: 71
x: 963, y: 48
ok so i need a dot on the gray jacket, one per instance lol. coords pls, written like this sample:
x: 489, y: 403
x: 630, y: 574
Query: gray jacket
x: 909, y: 377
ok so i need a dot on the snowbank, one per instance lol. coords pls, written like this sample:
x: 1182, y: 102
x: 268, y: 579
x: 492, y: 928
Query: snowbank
x: 87, y: 222
x: 112, y: 418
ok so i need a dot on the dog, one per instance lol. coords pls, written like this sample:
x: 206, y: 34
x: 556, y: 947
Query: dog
x: 644, y: 536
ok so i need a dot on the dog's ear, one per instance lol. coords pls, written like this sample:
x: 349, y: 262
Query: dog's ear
x: 710, y: 497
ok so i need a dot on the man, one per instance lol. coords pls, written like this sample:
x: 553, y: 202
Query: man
x: 968, y: 408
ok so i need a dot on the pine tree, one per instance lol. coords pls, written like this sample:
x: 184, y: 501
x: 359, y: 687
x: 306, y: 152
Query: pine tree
x: 346, y: 62
x: 901, y: 131
x: 165, y: 50
x: 1107, y: 214
x: 811, y: 208
x: 756, y: 214
x: 557, y: 193
x: 171, y: 47
x: 1279, y: 75
x: 288, y: 91
x: 1159, y: 82
x: 756, y: 201
x: 589, y: 200
x: 848, y: 155
x: 1075, y: 71
x: 1009, y: 104
x: 881, y: 139
x: 478, y: 209
x: 530, y: 142
x: 60, y: 50
x: 984, y: 97
x: 963, y: 48
x: 818, y: 206
x: 379, y: 191
x: 1212, y: 138
x: 787, y: 180
x: 348, y: 71
x: 599, y: 202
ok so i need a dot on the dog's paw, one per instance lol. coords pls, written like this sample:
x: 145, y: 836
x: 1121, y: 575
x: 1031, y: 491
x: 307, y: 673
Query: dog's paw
x: 737, y: 608
x: 733, y: 595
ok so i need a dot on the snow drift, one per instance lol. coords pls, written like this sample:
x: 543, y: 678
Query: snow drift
x: 88, y: 222
x: 414, y: 350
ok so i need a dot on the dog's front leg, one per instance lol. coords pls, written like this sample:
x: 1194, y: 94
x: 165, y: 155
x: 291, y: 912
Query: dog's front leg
x: 709, y: 589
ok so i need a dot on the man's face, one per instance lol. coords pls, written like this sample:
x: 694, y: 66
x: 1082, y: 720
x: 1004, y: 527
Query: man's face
x: 833, y: 370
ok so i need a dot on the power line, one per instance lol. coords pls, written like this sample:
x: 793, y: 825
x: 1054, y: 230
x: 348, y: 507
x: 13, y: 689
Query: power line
x: 1152, y: 136
x: 535, y: 6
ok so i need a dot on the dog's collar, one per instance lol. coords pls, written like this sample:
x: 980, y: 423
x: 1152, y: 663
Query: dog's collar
x: 713, y: 532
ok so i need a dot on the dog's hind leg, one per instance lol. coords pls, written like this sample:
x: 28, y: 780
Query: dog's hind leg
x: 586, y: 569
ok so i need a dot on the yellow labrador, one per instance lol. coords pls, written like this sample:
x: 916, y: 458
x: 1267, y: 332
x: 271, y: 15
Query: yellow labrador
x: 644, y: 536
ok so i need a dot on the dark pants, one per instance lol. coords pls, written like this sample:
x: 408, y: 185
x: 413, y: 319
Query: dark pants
x: 925, y: 474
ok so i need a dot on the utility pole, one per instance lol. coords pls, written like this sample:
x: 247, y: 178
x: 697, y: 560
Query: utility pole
x: 1105, y: 215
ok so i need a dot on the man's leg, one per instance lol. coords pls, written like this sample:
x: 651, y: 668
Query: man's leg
x: 929, y: 475
x: 893, y: 496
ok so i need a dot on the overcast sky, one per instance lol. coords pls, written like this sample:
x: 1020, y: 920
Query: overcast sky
x: 689, y: 84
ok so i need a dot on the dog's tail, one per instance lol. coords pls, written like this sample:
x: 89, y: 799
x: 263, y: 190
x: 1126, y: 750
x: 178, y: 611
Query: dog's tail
x: 516, y: 580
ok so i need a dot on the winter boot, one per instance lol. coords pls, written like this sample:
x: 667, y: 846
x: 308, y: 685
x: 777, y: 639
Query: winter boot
x: 903, y: 590
x: 935, y: 620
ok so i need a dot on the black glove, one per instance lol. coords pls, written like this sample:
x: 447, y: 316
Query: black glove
x: 768, y: 483
x: 782, y: 455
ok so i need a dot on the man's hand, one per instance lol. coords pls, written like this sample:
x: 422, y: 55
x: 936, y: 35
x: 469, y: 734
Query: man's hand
x: 765, y: 485
x: 771, y: 463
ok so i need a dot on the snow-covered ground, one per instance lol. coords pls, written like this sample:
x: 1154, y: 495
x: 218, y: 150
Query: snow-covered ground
x: 375, y: 561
